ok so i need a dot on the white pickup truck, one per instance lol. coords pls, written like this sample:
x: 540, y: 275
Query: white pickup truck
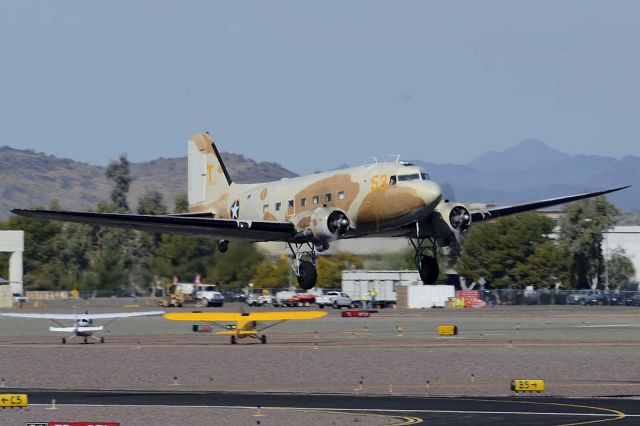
x: 336, y: 299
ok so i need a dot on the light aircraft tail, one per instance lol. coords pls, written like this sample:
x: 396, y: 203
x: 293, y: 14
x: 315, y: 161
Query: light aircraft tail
x: 208, y: 178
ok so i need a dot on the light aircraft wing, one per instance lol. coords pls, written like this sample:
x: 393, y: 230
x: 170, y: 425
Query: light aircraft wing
x: 496, y: 212
x: 238, y: 317
x: 81, y: 316
x: 228, y: 229
x: 73, y: 329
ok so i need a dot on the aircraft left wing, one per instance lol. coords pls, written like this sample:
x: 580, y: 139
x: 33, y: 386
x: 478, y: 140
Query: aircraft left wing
x: 228, y: 229
x: 112, y: 315
x: 496, y: 212
x: 238, y: 317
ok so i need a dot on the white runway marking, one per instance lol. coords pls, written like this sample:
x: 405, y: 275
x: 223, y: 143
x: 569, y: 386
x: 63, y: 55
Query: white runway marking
x: 606, y: 325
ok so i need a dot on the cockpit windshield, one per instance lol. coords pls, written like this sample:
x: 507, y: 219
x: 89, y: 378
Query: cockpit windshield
x: 404, y: 178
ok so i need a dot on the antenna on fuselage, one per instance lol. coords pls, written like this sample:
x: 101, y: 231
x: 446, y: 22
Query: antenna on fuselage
x: 397, y: 157
x: 375, y: 159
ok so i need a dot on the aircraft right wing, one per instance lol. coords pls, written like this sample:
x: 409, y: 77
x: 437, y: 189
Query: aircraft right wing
x: 496, y: 212
x: 228, y: 229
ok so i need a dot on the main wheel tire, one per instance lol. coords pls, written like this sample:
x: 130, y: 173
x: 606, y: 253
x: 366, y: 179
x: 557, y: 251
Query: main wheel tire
x: 263, y: 339
x: 428, y: 269
x: 308, y: 275
x: 223, y: 245
x: 86, y: 340
x: 234, y: 341
x: 102, y: 340
x: 64, y: 341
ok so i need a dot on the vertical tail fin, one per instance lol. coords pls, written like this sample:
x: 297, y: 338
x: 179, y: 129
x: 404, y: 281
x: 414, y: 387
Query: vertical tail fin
x: 208, y: 179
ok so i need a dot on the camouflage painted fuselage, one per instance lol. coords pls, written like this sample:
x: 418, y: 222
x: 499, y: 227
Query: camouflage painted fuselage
x: 375, y: 197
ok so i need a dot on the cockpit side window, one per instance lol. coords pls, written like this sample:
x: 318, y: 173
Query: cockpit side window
x: 414, y: 176
x: 392, y: 180
x: 425, y: 176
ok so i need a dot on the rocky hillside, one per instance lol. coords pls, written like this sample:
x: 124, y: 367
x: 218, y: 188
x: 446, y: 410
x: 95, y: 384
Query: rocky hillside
x: 33, y: 179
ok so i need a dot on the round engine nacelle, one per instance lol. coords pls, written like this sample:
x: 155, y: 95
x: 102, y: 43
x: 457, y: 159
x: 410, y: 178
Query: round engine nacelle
x: 328, y: 224
x: 452, y: 220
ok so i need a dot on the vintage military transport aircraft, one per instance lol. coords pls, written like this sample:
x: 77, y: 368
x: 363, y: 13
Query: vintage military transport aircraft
x: 395, y: 199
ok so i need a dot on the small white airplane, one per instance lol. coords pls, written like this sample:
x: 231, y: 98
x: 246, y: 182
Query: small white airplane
x: 83, y: 323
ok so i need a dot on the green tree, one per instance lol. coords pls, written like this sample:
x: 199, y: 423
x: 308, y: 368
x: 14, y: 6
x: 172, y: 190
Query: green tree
x: 497, y: 250
x: 581, y: 233
x: 270, y: 273
x: 183, y: 256
x: 118, y: 173
x: 181, y: 202
x: 547, y: 266
x: 151, y: 203
x: 330, y: 268
x: 620, y: 269
x: 237, y: 267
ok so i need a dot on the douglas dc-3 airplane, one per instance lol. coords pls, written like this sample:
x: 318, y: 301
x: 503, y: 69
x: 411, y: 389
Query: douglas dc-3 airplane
x: 309, y: 212
x: 82, y: 323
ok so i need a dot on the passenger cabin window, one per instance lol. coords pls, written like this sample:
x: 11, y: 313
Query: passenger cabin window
x: 290, y: 204
x: 278, y: 205
x: 303, y: 202
x: 425, y: 176
x: 327, y: 198
x: 315, y: 199
x: 341, y: 195
x: 265, y: 208
x: 403, y: 178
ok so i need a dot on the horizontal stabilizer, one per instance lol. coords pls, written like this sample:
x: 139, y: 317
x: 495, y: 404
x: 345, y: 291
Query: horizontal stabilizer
x: 74, y: 329
x: 237, y: 333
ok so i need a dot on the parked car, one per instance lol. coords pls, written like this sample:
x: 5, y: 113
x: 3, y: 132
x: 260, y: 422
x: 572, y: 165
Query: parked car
x: 597, y: 297
x: 632, y: 300
x: 207, y: 295
x: 614, y: 299
x: 259, y: 299
x: 336, y: 299
x: 585, y: 297
x: 19, y: 299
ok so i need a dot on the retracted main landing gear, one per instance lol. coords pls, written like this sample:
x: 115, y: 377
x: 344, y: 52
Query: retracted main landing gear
x: 305, y: 270
x: 427, y: 265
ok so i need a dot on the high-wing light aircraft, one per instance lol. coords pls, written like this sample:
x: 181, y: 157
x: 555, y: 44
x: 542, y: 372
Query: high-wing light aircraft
x: 309, y: 212
x: 82, y: 323
x: 244, y: 324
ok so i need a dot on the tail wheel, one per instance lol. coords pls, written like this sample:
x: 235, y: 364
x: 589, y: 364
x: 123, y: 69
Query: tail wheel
x: 263, y: 339
x: 308, y: 275
x: 428, y: 269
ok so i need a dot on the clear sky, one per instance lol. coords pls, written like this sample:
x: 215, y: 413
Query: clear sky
x: 313, y: 85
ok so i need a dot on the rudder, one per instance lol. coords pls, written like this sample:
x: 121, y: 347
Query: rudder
x: 208, y: 179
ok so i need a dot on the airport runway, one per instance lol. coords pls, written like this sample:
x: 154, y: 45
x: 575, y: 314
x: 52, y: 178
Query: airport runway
x: 405, y: 409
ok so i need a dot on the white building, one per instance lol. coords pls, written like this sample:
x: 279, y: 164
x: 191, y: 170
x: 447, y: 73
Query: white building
x: 13, y: 242
x: 627, y: 238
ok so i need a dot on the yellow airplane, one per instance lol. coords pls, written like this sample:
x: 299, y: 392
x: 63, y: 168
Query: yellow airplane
x: 244, y: 324
x: 308, y: 213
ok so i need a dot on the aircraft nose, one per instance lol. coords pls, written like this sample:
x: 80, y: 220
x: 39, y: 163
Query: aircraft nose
x: 431, y: 193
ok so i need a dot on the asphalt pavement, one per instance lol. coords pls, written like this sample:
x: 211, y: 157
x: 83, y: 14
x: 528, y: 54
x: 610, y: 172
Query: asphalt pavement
x: 430, y: 410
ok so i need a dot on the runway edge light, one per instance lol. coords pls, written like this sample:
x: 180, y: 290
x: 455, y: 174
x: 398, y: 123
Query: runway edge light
x: 447, y: 330
x: 527, y: 385
x: 14, y: 400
